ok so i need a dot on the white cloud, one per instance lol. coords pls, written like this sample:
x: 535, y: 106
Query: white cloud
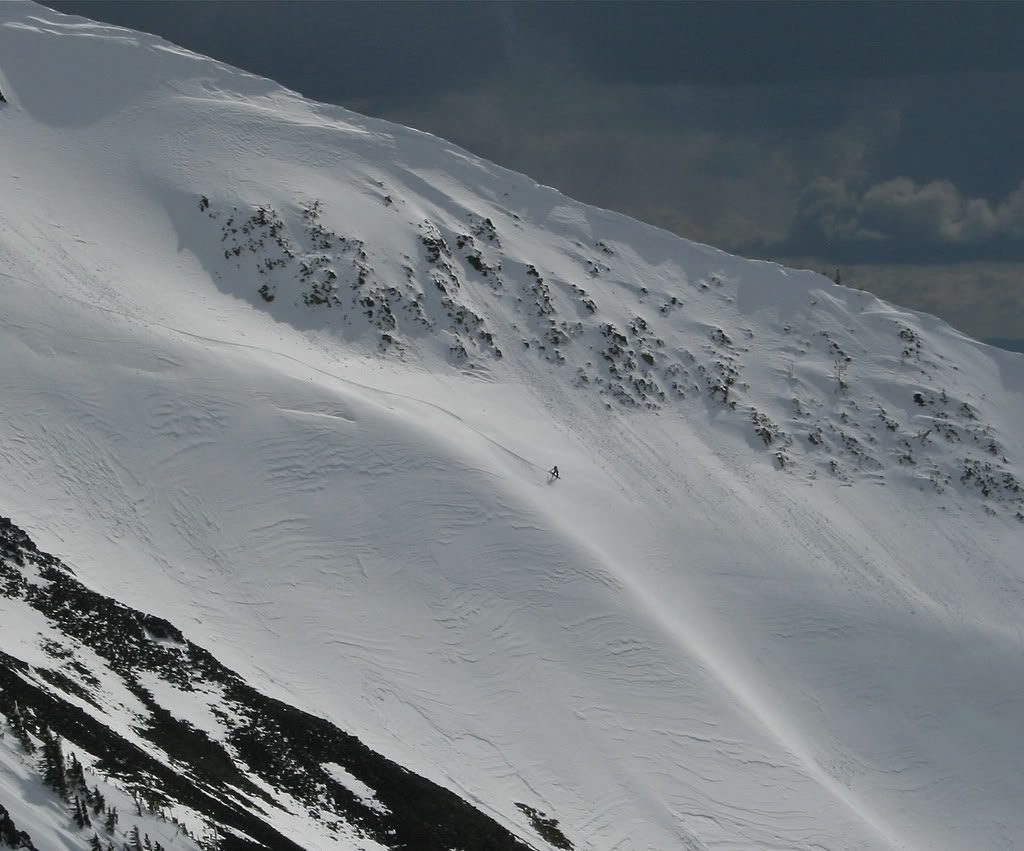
x: 930, y: 212
x: 1010, y: 215
x: 900, y: 208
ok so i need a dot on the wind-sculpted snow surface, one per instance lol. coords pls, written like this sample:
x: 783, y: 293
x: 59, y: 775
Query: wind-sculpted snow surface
x: 179, y: 731
x: 291, y: 379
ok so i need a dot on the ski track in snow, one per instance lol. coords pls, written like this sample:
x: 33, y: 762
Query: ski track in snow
x: 676, y: 645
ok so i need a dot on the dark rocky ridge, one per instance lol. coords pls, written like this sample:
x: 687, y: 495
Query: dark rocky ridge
x: 267, y: 739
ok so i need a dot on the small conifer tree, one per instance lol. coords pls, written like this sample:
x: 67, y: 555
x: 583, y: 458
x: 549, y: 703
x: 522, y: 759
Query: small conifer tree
x: 19, y: 726
x: 80, y: 813
x: 75, y: 774
x: 53, y: 764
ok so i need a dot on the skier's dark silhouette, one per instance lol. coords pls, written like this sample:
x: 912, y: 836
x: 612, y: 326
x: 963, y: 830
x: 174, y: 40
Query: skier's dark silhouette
x: 554, y: 472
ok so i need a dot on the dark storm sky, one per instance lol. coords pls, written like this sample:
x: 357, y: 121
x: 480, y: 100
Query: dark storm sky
x: 887, y: 138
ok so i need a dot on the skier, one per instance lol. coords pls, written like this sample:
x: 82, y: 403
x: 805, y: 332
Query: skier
x: 553, y: 472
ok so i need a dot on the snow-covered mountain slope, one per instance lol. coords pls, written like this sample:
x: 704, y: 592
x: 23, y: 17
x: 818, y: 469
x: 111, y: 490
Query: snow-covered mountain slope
x: 290, y: 379
x: 198, y: 753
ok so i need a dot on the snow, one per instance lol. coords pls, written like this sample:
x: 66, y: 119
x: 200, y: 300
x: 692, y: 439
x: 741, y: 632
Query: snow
x: 354, y: 785
x: 47, y: 819
x: 675, y: 645
x: 195, y: 707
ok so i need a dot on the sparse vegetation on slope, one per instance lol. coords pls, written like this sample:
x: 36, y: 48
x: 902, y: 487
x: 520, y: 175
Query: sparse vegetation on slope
x: 639, y: 361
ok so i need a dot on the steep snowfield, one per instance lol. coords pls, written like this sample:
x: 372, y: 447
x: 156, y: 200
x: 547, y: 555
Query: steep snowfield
x: 758, y: 610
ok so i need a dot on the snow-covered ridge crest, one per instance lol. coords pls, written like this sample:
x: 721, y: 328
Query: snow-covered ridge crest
x: 290, y: 379
x: 66, y: 70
